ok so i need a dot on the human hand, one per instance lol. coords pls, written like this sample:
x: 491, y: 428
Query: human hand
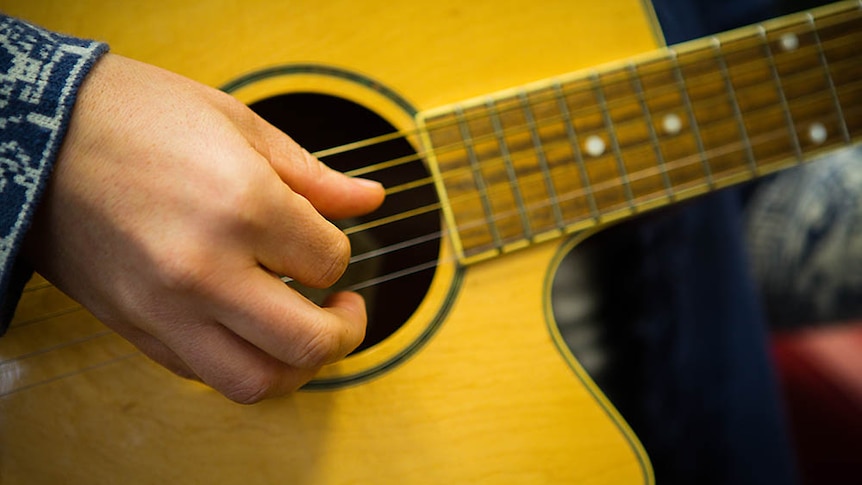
x: 171, y: 210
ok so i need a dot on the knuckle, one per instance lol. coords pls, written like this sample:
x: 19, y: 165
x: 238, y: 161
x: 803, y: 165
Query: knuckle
x: 182, y: 270
x: 252, y: 389
x: 312, y: 166
x: 239, y: 204
x: 234, y: 108
x: 336, y: 257
x: 322, y: 348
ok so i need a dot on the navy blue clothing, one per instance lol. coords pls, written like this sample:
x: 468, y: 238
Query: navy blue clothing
x: 700, y: 391
x: 40, y: 73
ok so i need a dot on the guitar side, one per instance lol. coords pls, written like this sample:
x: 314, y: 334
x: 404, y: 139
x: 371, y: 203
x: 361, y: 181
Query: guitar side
x: 491, y: 397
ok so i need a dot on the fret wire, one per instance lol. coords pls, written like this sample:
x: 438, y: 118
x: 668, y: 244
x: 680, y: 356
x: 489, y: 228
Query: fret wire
x: 731, y: 95
x: 671, y: 164
x: 477, y: 176
x: 510, y: 168
x: 639, y: 92
x: 616, y: 102
x: 678, y: 163
x: 692, y: 119
x: 609, y: 126
x: 542, y: 159
x: 614, y: 183
x: 788, y: 115
x: 721, y: 149
x: 576, y: 149
x: 824, y: 62
x: 684, y: 161
x: 610, y: 184
x: 569, y: 142
x: 469, y: 118
x: 607, y: 104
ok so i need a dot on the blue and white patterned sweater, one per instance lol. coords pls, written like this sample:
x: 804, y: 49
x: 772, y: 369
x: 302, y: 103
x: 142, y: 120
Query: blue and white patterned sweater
x: 40, y: 73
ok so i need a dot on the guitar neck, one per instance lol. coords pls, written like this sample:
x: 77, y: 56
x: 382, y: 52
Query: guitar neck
x: 569, y: 153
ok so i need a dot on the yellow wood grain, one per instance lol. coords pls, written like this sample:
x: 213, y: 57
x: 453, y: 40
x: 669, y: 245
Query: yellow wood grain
x: 490, y: 398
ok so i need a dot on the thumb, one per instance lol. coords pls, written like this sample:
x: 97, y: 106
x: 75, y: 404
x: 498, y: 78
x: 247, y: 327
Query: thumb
x: 332, y: 193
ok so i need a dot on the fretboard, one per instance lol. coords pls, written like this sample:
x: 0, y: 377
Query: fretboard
x: 569, y: 153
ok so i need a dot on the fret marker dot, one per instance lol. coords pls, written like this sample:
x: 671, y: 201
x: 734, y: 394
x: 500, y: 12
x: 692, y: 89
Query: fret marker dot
x: 594, y: 145
x: 789, y: 42
x: 671, y: 124
x: 817, y: 133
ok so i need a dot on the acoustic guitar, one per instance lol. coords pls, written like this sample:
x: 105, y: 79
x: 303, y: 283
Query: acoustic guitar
x: 496, y: 164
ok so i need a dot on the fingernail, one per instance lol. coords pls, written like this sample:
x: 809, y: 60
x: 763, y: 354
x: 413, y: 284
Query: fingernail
x: 371, y: 184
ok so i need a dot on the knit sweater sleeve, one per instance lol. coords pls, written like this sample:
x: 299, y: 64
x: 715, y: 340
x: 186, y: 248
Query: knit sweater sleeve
x: 40, y: 73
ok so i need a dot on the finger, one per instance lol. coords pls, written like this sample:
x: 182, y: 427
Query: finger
x: 334, y: 194
x: 232, y: 366
x: 293, y: 239
x: 156, y: 350
x: 284, y: 324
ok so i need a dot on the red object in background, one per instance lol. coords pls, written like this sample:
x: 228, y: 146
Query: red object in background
x: 820, y: 370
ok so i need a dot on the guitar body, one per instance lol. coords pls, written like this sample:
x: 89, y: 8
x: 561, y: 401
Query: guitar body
x: 476, y: 387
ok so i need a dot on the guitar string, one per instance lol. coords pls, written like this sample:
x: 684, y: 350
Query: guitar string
x: 427, y: 180
x: 66, y: 375
x: 718, y: 98
x: 99, y: 334
x: 604, y: 185
x: 52, y: 315
x: 81, y: 341
x: 660, y: 55
x: 654, y: 91
x: 562, y: 142
x: 687, y: 161
x: 439, y: 233
x: 758, y: 46
x: 691, y: 160
x: 666, y: 88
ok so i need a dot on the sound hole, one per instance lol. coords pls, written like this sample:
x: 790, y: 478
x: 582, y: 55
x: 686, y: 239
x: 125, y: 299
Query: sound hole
x: 393, y: 263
